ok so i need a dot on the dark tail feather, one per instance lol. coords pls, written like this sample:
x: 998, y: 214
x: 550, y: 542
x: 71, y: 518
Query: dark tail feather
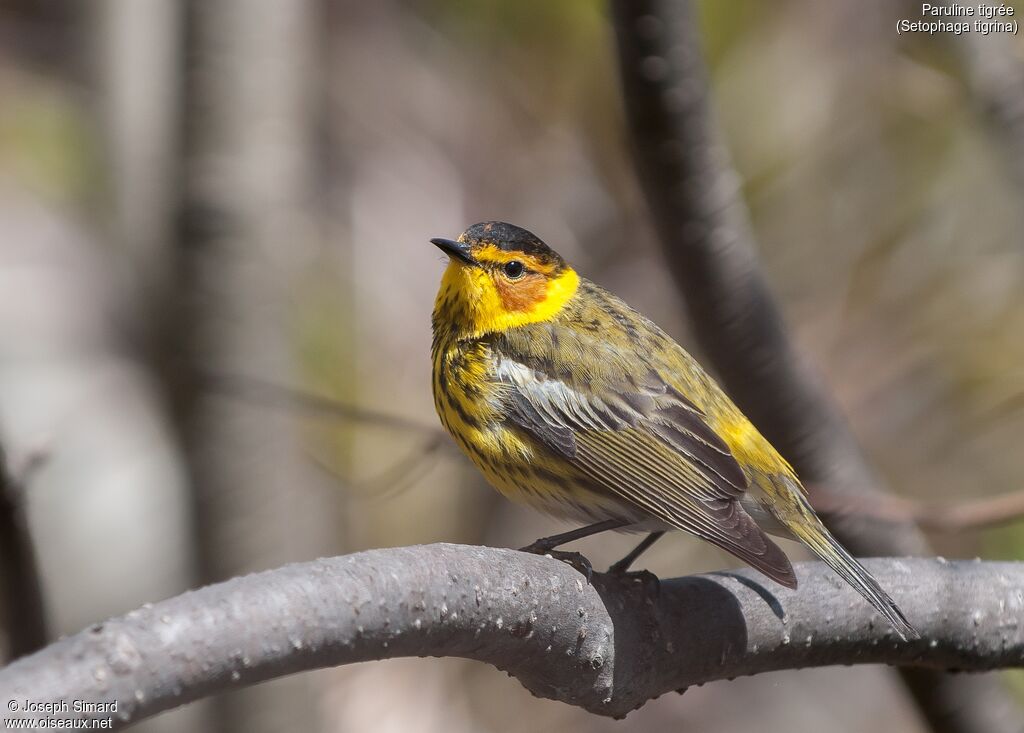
x: 774, y: 564
x: 825, y: 546
x: 757, y: 550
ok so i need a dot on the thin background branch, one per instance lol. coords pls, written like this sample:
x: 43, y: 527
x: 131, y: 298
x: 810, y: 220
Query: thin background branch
x: 255, y: 390
x: 961, y: 516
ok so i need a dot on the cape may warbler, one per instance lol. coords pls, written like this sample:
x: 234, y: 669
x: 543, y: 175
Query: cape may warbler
x: 569, y: 400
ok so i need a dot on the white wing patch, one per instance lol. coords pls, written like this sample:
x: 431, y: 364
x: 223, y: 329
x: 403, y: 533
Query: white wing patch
x: 559, y: 404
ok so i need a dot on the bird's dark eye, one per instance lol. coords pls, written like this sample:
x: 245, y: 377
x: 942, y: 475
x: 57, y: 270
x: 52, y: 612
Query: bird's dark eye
x: 514, y: 269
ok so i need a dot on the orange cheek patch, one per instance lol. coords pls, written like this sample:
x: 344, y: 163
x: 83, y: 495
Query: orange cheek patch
x: 522, y: 295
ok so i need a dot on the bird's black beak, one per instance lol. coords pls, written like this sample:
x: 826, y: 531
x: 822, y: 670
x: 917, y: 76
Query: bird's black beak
x: 458, y: 250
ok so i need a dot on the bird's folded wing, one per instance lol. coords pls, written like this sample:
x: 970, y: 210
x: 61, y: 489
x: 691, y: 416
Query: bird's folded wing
x: 646, y: 443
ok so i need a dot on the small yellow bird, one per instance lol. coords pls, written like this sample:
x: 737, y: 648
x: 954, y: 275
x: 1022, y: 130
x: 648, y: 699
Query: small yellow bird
x: 572, y: 402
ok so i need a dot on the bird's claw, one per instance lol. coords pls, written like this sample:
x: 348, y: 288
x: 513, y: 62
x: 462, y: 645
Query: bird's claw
x: 649, y: 579
x: 577, y: 560
x: 539, y: 547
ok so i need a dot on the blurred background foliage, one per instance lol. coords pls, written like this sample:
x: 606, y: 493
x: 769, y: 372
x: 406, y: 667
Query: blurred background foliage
x: 888, y: 224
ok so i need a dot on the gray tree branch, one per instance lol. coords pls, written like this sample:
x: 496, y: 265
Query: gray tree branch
x: 607, y: 647
x: 695, y: 197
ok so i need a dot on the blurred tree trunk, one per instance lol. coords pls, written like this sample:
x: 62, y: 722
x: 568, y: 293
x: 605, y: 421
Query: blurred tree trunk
x: 136, y: 55
x: 249, y: 117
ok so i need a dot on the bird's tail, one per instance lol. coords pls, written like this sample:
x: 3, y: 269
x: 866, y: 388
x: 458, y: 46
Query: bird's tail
x: 814, y: 534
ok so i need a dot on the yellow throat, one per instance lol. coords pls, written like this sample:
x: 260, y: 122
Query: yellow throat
x: 472, y: 304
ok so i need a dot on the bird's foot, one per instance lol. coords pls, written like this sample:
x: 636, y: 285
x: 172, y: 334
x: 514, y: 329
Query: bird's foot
x: 578, y: 561
x: 539, y: 547
x: 650, y: 581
